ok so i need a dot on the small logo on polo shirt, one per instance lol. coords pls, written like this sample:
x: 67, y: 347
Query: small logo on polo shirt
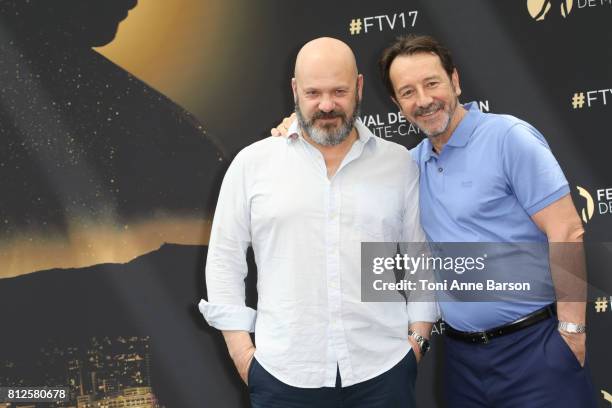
x: 586, y: 212
x: 539, y: 9
x: 466, y: 184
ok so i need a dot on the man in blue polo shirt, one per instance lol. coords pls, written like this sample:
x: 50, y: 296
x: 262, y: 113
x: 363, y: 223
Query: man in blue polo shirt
x: 493, y: 178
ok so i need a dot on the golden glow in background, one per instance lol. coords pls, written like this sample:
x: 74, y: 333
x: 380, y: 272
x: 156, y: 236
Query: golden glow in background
x: 182, y: 48
x: 92, y: 244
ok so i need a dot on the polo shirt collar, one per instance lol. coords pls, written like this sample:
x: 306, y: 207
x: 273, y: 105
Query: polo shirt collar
x: 428, y: 151
x: 462, y: 134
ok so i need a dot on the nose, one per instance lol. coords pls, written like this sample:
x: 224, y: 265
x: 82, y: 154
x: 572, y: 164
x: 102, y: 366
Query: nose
x: 326, y: 104
x: 423, y: 99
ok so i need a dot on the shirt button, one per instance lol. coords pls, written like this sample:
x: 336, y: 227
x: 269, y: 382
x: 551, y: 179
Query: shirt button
x: 440, y: 169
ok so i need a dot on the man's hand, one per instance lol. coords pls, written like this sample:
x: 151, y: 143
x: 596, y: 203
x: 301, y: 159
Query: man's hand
x: 241, y: 350
x: 563, y: 228
x: 415, y: 348
x: 576, y: 343
x: 423, y: 329
x: 243, y: 363
x: 283, y: 127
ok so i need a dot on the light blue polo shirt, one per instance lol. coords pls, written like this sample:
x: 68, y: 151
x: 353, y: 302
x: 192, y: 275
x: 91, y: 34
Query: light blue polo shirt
x: 494, y: 173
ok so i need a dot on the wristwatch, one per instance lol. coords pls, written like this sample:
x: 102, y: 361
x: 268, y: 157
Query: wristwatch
x: 572, y: 327
x: 421, y: 341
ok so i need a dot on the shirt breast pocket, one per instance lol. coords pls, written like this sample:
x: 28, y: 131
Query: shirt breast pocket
x: 378, y: 213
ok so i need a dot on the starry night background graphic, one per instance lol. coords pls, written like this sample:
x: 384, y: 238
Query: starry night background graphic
x: 98, y: 171
x: 96, y: 166
x: 118, y: 119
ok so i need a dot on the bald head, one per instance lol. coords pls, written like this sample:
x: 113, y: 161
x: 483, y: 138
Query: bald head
x: 327, y: 91
x: 325, y: 53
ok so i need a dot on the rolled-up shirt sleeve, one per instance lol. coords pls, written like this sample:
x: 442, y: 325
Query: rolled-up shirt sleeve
x: 422, y: 306
x: 226, y: 266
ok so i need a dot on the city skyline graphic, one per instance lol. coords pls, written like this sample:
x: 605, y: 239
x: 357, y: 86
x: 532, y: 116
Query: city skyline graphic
x: 100, y: 372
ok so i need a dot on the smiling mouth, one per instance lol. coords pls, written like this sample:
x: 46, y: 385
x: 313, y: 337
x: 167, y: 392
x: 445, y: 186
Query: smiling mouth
x: 428, y: 114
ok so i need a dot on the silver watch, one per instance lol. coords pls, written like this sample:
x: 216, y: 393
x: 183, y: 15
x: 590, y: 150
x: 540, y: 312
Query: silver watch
x: 421, y: 341
x: 571, y: 327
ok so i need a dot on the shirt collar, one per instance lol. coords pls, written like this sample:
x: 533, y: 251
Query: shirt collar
x: 365, y: 135
x: 462, y: 133
x: 293, y: 133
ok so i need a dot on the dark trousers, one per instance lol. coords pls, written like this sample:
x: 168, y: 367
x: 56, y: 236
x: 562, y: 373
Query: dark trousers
x: 392, y: 389
x: 533, y: 367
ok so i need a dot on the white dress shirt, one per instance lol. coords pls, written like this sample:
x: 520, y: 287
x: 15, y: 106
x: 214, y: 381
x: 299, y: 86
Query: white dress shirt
x: 306, y: 232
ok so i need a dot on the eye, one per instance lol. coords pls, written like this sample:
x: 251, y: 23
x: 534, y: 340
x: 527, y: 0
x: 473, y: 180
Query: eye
x: 341, y: 92
x: 432, y: 84
x: 406, y: 93
x: 311, y: 92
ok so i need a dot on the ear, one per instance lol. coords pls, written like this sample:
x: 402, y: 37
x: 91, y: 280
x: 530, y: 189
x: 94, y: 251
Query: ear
x: 360, y: 85
x: 455, y: 82
x: 294, y: 88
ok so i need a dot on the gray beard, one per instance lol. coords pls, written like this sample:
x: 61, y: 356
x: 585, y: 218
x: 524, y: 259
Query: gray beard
x: 437, y: 132
x: 325, y: 137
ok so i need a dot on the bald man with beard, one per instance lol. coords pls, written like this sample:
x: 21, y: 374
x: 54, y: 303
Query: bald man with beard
x: 305, y: 203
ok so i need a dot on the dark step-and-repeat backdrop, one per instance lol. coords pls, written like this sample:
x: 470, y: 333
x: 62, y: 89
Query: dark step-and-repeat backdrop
x: 118, y: 119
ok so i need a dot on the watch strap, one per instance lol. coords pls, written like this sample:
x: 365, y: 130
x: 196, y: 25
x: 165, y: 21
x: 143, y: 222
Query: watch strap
x: 422, y: 342
x: 572, y: 327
